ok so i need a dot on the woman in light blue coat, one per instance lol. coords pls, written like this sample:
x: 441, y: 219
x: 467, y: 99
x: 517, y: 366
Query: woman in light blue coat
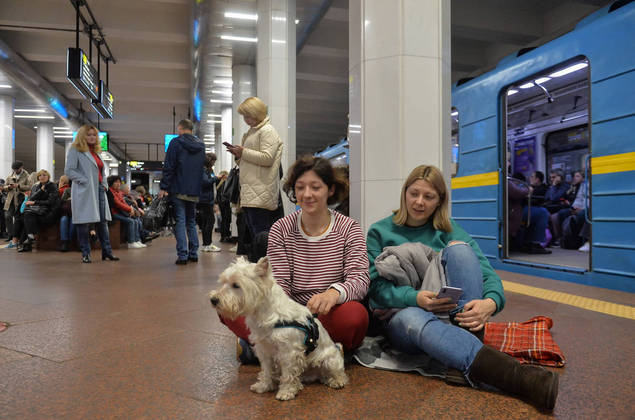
x: 88, y: 191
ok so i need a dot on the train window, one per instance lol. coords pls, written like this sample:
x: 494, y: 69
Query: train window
x: 548, y: 138
x: 454, y: 138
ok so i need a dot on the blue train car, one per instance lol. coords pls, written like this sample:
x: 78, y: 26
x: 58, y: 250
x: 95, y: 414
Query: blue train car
x: 337, y: 154
x: 566, y: 108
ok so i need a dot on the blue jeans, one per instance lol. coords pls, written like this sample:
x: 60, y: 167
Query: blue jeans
x: 414, y: 330
x: 538, y: 223
x: 101, y: 227
x: 185, y: 215
x: 67, y: 228
x: 132, y: 231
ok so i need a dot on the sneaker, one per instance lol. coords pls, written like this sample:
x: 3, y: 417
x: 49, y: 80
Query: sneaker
x: 133, y: 245
x: 585, y: 248
x: 141, y: 245
x: 245, y: 353
x: 206, y: 248
x: 213, y: 248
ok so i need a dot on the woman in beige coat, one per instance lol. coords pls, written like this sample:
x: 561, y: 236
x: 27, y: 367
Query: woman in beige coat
x: 259, y: 153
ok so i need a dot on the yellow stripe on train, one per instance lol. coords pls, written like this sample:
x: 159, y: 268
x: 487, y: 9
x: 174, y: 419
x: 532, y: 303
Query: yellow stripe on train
x: 613, y: 163
x: 478, y: 180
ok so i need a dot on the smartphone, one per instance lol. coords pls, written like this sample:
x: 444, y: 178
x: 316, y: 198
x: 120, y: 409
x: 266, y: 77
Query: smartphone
x: 451, y: 292
x: 228, y: 144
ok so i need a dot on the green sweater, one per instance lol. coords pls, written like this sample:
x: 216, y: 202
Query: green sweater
x: 384, y: 294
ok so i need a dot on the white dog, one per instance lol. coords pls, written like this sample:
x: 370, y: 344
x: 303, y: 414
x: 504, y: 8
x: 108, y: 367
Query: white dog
x: 285, y: 351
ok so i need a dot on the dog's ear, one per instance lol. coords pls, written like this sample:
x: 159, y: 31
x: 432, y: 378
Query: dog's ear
x: 263, y: 267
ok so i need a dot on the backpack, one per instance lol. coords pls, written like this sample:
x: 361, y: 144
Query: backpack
x: 571, y: 234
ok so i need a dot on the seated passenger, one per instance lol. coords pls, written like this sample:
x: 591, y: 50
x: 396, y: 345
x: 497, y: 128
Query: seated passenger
x: 555, y: 196
x: 527, y: 227
x: 67, y: 228
x: 312, y: 237
x: 415, y: 328
x: 145, y: 235
x: 123, y: 212
x: 537, y: 182
x: 577, y: 195
x: 41, y: 208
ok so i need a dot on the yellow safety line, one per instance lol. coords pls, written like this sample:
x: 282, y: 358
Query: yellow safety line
x: 613, y: 163
x: 478, y: 180
x: 609, y: 308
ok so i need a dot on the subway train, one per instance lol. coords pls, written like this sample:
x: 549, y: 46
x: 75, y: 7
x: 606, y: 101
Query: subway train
x: 569, y: 105
x: 566, y: 105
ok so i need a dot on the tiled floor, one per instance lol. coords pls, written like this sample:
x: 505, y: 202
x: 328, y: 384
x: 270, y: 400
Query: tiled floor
x: 137, y: 339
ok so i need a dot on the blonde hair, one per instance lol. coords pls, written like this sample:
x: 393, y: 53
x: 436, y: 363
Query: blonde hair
x: 254, y: 108
x: 432, y: 175
x: 64, y: 180
x: 43, y: 172
x: 80, y: 139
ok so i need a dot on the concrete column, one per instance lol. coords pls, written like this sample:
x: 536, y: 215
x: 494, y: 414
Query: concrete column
x: 399, y: 98
x: 67, y: 147
x: 225, y: 159
x: 7, y: 135
x: 44, y: 147
x: 276, y: 69
x: 244, y: 87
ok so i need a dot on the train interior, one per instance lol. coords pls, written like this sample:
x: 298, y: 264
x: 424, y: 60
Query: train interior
x: 546, y: 123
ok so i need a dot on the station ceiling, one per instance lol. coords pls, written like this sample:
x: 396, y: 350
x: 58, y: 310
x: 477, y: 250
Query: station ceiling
x: 150, y: 39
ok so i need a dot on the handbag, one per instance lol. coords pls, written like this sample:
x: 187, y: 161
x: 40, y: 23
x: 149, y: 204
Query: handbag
x: 231, y: 192
x: 36, y: 210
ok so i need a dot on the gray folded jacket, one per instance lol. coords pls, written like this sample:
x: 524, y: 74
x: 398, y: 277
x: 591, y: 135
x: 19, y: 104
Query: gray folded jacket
x: 412, y: 264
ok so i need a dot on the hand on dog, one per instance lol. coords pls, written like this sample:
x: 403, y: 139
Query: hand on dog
x: 322, y: 303
x: 428, y: 301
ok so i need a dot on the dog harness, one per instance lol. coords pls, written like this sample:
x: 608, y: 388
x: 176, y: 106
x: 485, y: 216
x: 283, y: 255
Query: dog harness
x: 311, y: 332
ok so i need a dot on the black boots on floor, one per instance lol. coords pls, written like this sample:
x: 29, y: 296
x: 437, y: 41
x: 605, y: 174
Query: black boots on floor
x: 535, y: 383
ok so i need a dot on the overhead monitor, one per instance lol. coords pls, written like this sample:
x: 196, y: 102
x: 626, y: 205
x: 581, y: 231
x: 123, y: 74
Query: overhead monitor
x: 103, y: 140
x: 168, y: 138
x: 105, y: 105
x: 82, y: 74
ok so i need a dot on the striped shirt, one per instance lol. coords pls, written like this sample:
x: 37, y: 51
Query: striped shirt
x: 307, y: 265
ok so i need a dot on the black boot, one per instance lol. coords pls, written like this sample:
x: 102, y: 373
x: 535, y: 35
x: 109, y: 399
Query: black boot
x: 535, y: 383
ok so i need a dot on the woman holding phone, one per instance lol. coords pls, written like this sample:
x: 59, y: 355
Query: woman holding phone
x: 415, y: 327
x: 260, y: 153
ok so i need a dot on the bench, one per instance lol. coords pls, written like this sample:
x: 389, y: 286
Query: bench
x: 49, y: 238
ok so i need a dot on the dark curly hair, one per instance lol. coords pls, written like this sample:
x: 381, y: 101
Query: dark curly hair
x: 322, y: 167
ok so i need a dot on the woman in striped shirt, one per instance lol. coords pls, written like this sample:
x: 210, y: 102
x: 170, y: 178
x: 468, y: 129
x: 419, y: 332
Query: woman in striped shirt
x: 318, y: 255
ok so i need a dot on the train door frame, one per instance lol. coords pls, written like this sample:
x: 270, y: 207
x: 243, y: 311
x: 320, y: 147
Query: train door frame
x: 505, y: 162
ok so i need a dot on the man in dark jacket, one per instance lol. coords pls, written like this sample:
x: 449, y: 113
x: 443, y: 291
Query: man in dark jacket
x: 182, y: 181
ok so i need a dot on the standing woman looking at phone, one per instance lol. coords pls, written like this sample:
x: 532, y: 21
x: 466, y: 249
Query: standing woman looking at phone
x: 88, y: 191
x: 415, y: 328
x: 260, y: 153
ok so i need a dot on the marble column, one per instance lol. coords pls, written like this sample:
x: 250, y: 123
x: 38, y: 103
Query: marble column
x: 7, y: 133
x: 44, y: 147
x: 276, y: 69
x: 244, y: 78
x: 399, y: 98
x: 225, y: 159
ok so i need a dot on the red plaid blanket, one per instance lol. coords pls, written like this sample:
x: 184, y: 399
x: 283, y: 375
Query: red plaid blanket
x: 529, y: 341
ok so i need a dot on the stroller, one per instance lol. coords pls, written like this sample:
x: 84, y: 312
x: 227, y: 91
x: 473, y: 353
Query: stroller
x: 159, y: 216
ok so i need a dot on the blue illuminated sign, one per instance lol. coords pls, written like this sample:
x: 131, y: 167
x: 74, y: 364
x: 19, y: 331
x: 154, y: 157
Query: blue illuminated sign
x: 57, y: 106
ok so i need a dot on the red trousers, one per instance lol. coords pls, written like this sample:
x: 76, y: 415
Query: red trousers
x: 346, y: 324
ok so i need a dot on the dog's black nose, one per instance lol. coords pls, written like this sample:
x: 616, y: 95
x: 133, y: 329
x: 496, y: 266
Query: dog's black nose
x: 214, y: 301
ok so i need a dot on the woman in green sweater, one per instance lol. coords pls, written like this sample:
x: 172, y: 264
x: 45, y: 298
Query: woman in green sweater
x: 415, y: 327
